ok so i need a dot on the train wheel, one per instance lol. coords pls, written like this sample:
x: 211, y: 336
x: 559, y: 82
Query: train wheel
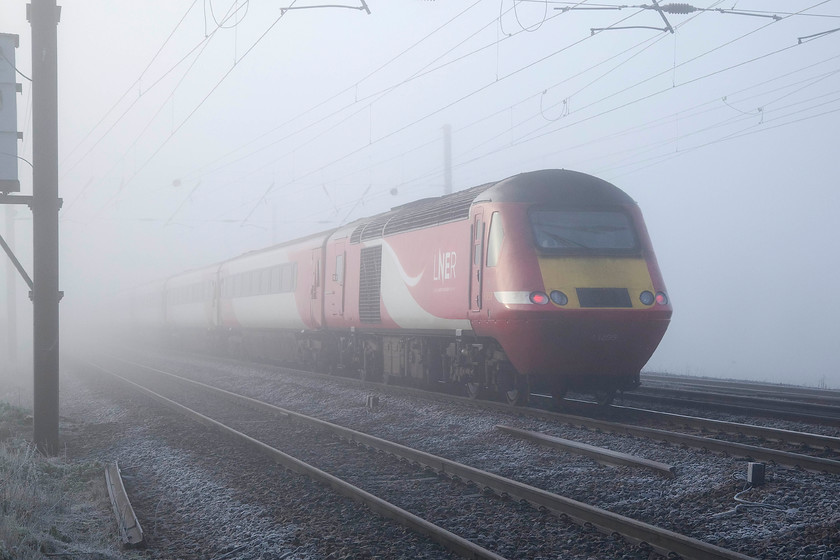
x: 605, y: 397
x: 517, y: 397
x: 515, y: 389
x: 558, y: 398
x: 474, y: 389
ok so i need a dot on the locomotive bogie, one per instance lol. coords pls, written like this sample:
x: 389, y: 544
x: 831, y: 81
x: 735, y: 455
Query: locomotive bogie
x: 405, y: 357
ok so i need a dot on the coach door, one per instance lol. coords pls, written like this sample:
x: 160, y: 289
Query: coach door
x: 335, y: 292
x: 477, y: 231
x: 316, y: 309
x: 212, y: 303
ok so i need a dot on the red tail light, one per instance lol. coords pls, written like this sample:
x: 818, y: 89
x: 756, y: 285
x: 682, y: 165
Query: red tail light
x: 540, y: 298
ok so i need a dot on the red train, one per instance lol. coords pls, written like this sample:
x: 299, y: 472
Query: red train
x: 543, y: 281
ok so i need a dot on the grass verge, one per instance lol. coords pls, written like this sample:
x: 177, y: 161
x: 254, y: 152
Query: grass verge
x: 50, y: 507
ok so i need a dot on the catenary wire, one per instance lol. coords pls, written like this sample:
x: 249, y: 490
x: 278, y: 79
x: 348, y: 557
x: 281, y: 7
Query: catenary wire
x: 364, y: 78
x: 695, y: 80
x: 376, y: 94
x: 299, y: 178
x: 810, y: 81
x: 684, y: 63
x: 380, y: 93
x: 9, y: 62
x: 201, y: 46
x: 197, y: 107
x: 531, y: 137
x: 129, y: 90
x: 79, y: 196
x: 426, y: 116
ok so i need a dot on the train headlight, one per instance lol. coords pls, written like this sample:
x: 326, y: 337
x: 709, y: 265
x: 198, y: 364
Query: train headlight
x: 647, y: 298
x: 539, y: 298
x: 661, y: 298
x: 559, y: 297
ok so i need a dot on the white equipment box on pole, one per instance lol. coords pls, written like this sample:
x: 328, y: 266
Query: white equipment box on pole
x: 9, y: 135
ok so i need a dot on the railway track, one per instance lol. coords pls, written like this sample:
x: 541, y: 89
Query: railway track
x: 625, y: 414
x: 738, y: 404
x: 663, y: 541
x: 788, y: 437
x: 591, y: 416
x: 793, y: 403
x: 749, y: 388
x: 799, y: 399
x: 736, y: 449
x: 452, y: 542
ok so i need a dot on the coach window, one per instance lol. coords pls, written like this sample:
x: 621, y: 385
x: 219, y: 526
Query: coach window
x: 265, y: 281
x: 286, y: 278
x: 478, y: 246
x: 339, y: 269
x: 275, y: 279
x: 248, y: 284
x: 494, y: 239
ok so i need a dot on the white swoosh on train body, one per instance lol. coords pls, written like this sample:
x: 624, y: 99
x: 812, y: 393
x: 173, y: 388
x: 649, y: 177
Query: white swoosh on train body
x: 408, y: 280
x: 400, y: 303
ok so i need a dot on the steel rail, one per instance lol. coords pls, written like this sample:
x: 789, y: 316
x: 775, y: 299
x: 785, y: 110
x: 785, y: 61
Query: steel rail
x: 764, y: 388
x: 131, y: 534
x: 815, y: 464
x: 662, y: 540
x: 817, y: 441
x: 741, y: 408
x: 778, y: 395
x: 449, y: 540
x: 717, y: 396
x: 599, y: 454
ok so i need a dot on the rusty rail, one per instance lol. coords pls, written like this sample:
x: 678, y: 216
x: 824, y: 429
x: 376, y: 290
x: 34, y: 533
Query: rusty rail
x: 599, y: 454
x: 131, y: 534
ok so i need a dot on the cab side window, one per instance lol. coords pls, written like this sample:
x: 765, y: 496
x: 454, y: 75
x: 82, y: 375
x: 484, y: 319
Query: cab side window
x: 494, y: 239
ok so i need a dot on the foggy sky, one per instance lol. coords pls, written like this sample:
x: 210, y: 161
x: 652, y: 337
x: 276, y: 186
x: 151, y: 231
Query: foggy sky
x: 725, y: 132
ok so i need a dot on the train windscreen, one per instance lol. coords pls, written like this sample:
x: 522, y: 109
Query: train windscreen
x: 583, y: 230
